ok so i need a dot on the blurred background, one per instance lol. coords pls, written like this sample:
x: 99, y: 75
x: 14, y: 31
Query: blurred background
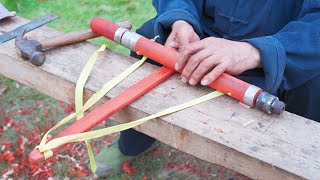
x: 76, y: 15
x: 30, y: 113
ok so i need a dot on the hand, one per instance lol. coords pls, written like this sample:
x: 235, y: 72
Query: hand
x: 182, y: 34
x: 207, y: 59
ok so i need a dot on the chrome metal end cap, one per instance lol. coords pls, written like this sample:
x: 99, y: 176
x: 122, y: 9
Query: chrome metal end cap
x: 270, y: 103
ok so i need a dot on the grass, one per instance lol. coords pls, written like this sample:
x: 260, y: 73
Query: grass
x: 76, y: 15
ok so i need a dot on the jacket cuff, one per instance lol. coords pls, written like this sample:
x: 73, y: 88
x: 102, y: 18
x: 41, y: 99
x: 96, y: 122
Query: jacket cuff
x: 163, y: 23
x: 273, y: 60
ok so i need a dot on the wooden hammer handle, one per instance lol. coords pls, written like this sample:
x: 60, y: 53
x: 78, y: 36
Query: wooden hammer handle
x: 74, y: 37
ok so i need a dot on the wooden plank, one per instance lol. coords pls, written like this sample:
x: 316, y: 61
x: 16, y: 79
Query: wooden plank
x: 271, y: 147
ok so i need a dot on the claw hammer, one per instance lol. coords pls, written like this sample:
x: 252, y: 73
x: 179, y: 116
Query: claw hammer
x: 33, y: 50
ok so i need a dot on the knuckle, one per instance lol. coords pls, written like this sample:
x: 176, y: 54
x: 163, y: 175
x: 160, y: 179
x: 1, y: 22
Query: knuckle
x: 219, y: 70
x: 197, y: 75
x: 195, y: 60
x: 213, y: 75
x: 183, y: 49
x: 188, y: 49
x: 186, y: 71
x: 207, y: 65
x: 189, y: 70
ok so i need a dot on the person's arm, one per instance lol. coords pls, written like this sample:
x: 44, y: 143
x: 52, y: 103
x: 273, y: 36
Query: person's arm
x: 292, y: 56
x: 289, y: 58
x: 170, y: 11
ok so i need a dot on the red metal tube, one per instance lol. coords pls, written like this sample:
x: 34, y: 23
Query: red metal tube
x: 225, y: 83
x: 109, y: 108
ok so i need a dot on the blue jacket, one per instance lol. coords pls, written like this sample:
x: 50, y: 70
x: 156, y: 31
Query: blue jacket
x: 287, y: 33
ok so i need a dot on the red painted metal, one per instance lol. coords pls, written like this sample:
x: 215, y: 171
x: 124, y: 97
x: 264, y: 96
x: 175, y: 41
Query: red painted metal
x: 109, y: 108
x: 225, y: 83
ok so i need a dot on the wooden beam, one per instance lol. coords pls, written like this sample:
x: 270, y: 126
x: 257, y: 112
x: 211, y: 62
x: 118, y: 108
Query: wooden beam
x: 220, y: 131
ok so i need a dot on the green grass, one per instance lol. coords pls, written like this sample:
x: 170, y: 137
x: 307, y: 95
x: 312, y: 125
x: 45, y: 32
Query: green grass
x: 76, y: 15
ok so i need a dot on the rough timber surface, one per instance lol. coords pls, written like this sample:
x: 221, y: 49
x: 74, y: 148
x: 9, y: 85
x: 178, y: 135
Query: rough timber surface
x: 220, y: 131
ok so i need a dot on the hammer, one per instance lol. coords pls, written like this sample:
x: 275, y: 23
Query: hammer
x: 33, y: 49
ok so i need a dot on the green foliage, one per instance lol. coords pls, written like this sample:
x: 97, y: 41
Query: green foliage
x: 76, y: 15
x: 12, y: 5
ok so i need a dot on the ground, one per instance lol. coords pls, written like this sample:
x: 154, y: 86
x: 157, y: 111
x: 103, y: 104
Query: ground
x: 30, y: 113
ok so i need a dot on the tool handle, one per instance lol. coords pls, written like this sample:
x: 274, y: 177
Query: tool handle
x: 225, y: 83
x: 74, y: 37
x: 109, y: 108
x: 68, y: 38
x: 249, y: 94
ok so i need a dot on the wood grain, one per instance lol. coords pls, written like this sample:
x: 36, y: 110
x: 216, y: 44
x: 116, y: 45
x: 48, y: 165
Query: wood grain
x: 271, y: 147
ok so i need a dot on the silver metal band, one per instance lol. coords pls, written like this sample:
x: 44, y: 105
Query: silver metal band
x: 129, y: 39
x: 250, y: 94
x: 118, y: 34
x: 126, y: 38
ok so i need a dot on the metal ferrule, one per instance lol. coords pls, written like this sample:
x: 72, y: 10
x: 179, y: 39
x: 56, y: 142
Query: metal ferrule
x: 250, y: 94
x: 126, y: 38
x: 270, y: 103
x: 129, y: 39
x: 118, y: 34
x: 265, y: 101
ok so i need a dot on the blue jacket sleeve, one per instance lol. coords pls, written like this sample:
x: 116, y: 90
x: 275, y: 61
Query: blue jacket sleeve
x: 291, y: 57
x: 169, y: 11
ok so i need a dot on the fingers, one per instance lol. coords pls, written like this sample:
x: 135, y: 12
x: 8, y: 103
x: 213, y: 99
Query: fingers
x: 186, y: 52
x: 193, y: 63
x: 183, y: 38
x: 204, y: 67
x: 214, y: 74
x: 171, y: 41
x: 207, y: 69
x: 173, y: 45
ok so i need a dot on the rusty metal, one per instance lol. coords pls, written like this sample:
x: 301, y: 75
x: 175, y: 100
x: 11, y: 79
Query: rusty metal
x: 270, y: 103
x: 27, y: 27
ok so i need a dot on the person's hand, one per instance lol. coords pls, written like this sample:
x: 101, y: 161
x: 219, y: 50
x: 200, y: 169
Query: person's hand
x: 182, y: 34
x: 207, y: 59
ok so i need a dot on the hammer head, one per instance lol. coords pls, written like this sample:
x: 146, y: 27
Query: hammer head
x: 30, y: 49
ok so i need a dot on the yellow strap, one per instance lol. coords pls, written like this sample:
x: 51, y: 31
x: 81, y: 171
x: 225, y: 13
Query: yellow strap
x: 93, y: 99
x: 105, y: 131
x: 80, y: 109
x: 83, y: 79
x: 84, y: 75
x: 70, y: 116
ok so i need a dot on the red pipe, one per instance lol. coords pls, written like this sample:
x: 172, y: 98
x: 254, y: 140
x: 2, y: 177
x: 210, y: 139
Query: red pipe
x: 109, y: 108
x: 225, y: 83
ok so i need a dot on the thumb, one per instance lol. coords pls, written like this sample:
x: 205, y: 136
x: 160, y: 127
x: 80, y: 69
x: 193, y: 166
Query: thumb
x: 171, y: 41
x: 172, y: 44
x: 183, y: 38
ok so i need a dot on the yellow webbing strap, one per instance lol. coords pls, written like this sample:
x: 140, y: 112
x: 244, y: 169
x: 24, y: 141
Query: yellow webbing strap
x: 80, y: 109
x: 93, y: 99
x: 84, y: 75
x: 105, y: 131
